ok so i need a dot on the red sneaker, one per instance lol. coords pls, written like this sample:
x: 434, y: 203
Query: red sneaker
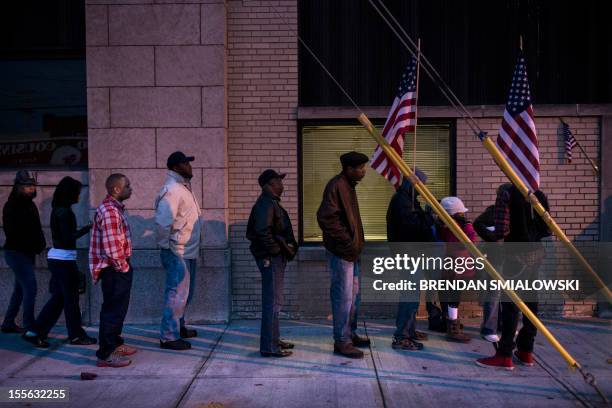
x: 525, y: 358
x: 497, y: 361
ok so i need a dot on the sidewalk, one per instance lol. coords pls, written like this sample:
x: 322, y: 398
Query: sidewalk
x: 224, y: 370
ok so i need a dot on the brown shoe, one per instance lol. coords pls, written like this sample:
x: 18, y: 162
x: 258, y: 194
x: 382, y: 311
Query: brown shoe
x: 360, y: 341
x: 454, y: 332
x: 125, y: 350
x: 347, y: 350
x: 115, y: 360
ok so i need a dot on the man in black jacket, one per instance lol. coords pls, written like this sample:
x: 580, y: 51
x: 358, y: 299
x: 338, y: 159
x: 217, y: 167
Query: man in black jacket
x: 24, y: 240
x: 273, y: 245
x: 407, y: 222
x: 517, y: 222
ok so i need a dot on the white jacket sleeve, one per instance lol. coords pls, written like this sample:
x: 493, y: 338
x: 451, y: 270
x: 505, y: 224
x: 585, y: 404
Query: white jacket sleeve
x: 166, y: 209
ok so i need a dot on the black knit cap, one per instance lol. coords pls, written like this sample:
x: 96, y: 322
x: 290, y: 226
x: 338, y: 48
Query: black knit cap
x: 353, y: 159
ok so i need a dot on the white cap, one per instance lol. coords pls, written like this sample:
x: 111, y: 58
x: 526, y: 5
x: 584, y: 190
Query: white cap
x: 453, y: 205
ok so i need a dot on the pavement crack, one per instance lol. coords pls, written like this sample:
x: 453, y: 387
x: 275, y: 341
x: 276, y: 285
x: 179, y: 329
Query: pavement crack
x: 551, y: 372
x: 378, y: 380
x: 199, y: 370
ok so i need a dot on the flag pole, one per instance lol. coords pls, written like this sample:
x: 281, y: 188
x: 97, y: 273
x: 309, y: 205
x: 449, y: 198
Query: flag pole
x: 460, y: 234
x: 591, y: 161
x: 491, y: 147
x: 416, y: 114
x: 502, y: 163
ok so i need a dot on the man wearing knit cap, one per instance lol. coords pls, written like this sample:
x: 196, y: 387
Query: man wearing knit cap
x: 339, y: 219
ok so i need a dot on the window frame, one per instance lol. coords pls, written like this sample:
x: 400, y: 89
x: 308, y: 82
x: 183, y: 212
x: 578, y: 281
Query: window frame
x: 301, y: 123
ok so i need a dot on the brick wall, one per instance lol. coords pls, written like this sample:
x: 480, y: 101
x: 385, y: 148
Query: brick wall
x: 262, y: 96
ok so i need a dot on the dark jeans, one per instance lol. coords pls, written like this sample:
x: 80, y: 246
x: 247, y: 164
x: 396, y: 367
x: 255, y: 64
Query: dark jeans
x: 116, y: 288
x: 64, y: 288
x: 510, y: 318
x: 24, y: 289
x: 405, y: 321
x: 272, y: 279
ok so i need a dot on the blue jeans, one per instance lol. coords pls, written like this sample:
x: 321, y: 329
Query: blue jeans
x: 180, y: 281
x: 345, y: 296
x: 491, y: 314
x: 24, y: 290
x: 272, y: 281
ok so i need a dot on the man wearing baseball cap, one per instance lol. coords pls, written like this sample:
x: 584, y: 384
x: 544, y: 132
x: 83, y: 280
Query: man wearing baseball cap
x: 177, y: 217
x: 273, y: 245
x: 24, y: 240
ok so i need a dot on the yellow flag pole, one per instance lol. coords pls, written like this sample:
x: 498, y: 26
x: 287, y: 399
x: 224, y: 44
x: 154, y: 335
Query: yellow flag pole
x: 501, y: 161
x: 458, y: 232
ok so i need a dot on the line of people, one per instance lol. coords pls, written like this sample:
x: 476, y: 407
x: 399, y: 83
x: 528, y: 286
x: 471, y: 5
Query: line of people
x: 273, y: 245
x: 178, y: 223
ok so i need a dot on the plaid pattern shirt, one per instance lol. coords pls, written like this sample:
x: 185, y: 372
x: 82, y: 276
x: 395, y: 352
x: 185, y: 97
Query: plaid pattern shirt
x: 501, y: 215
x: 111, y: 243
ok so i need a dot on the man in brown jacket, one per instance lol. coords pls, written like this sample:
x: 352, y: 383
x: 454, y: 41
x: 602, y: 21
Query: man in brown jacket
x: 340, y: 221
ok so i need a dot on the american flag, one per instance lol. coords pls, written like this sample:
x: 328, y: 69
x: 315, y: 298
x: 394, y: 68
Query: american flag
x: 518, y: 140
x: 401, y: 119
x: 570, y: 141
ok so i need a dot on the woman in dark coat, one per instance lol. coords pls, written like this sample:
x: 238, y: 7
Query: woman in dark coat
x: 65, y: 276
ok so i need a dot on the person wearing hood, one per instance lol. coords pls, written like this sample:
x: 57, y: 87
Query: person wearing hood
x: 408, y: 222
x: 24, y: 240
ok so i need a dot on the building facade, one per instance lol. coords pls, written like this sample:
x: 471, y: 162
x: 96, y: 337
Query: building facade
x: 224, y: 81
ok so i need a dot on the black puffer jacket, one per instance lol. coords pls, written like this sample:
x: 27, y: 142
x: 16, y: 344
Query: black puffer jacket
x: 406, y: 220
x: 22, y: 225
x: 269, y: 229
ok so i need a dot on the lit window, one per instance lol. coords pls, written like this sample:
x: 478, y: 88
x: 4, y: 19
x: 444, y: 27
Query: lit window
x: 322, y: 146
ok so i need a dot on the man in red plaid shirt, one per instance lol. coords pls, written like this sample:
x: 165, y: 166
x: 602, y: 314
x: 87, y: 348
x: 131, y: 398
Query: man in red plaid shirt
x: 109, y: 262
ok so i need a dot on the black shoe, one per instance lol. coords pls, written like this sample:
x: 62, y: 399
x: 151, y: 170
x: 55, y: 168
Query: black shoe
x: 36, y: 341
x: 83, y: 340
x: 188, y: 333
x: 279, y: 353
x: 12, y: 330
x: 360, y: 341
x: 285, y: 344
x: 179, y: 344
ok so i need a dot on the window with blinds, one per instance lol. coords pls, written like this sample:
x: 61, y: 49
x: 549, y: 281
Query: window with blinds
x: 322, y: 146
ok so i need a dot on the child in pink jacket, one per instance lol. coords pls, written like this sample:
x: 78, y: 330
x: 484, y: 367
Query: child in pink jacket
x: 455, y: 207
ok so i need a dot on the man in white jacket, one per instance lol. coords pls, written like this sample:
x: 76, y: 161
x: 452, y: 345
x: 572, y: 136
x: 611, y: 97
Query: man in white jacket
x: 177, y: 216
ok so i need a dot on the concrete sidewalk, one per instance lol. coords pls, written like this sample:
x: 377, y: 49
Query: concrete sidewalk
x: 224, y: 370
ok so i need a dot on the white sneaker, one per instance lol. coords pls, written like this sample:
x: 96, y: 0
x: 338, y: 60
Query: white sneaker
x: 492, y: 338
